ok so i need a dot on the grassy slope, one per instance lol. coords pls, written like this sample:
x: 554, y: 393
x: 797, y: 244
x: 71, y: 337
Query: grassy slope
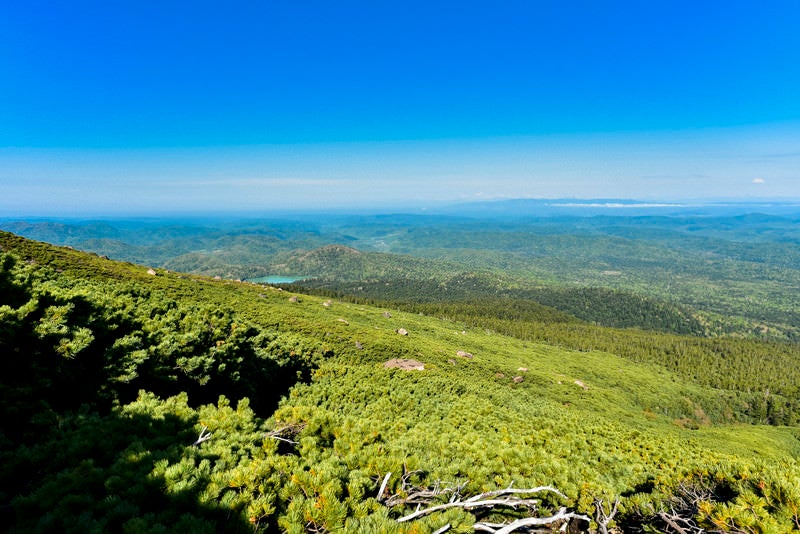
x: 461, y: 420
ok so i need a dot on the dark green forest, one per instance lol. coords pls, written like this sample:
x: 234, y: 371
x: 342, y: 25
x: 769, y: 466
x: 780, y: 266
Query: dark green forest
x: 145, y: 398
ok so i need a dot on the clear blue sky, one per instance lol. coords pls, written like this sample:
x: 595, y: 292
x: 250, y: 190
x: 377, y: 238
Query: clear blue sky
x: 122, y: 106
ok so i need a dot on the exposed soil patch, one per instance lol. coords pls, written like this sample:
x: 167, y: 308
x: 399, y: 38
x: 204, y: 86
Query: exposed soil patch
x: 404, y: 364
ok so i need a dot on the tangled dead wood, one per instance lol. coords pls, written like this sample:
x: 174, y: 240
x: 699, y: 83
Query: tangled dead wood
x: 510, y: 497
x: 287, y: 433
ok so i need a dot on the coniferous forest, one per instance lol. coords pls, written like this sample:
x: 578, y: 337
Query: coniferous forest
x: 406, y: 381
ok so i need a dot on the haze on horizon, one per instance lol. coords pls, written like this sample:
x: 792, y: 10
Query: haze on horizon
x: 124, y: 107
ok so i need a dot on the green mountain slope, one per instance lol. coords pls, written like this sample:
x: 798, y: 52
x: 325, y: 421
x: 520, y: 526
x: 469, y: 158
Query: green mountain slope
x: 701, y: 271
x: 149, y: 402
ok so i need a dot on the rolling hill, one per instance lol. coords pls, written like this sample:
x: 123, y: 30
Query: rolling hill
x: 140, y: 399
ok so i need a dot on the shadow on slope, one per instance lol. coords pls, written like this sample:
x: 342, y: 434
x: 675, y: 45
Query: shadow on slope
x: 134, y: 470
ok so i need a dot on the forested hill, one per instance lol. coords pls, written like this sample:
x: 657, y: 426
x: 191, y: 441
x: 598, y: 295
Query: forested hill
x: 606, y: 307
x: 733, y: 271
x: 135, y: 399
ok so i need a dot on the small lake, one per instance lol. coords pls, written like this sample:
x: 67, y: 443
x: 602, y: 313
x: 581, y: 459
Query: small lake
x: 276, y: 279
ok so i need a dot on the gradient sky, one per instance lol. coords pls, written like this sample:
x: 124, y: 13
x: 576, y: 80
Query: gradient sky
x: 114, y: 107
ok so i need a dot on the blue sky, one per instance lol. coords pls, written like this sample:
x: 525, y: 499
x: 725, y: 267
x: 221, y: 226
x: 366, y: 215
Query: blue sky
x: 118, y: 107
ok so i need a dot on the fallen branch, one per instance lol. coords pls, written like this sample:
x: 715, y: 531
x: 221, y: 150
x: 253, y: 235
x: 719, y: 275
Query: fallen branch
x: 671, y: 522
x: 410, y: 494
x: 485, y: 500
x: 510, y: 490
x: 562, y: 515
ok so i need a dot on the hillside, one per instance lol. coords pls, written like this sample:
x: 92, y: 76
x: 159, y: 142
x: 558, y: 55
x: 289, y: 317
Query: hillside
x: 142, y: 400
x: 714, y: 271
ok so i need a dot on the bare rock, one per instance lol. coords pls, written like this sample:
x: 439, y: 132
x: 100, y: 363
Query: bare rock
x: 581, y: 384
x: 499, y: 375
x: 387, y: 315
x: 359, y: 346
x: 523, y: 369
x: 451, y: 361
x: 151, y: 272
x: 518, y: 379
x: 294, y: 298
x: 464, y: 354
x: 402, y: 331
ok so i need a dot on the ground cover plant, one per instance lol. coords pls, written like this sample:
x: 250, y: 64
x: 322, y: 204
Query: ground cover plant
x: 137, y: 399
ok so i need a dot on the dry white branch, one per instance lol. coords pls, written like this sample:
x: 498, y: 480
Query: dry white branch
x: 488, y: 527
x: 202, y: 437
x: 291, y: 430
x: 410, y: 494
x: 484, y: 500
x: 383, y: 486
x: 562, y: 515
x: 442, y: 530
x: 671, y: 521
x: 603, y: 518
x: 510, y: 490
x: 282, y: 439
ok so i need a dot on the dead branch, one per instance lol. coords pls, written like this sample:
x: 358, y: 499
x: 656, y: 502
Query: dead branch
x: 442, y: 530
x: 282, y: 439
x: 507, y: 497
x: 671, y: 522
x: 383, y: 486
x: 204, y: 436
x: 683, y: 507
x: 601, y: 517
x: 488, y: 503
x: 486, y: 500
x: 561, y: 516
x: 510, y: 490
x: 410, y: 494
x: 286, y: 433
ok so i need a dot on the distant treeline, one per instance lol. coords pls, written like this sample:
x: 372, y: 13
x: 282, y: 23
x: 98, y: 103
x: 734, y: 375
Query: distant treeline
x: 606, y: 307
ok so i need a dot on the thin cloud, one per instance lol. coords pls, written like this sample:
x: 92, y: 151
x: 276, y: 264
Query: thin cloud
x: 261, y: 182
x: 758, y: 180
